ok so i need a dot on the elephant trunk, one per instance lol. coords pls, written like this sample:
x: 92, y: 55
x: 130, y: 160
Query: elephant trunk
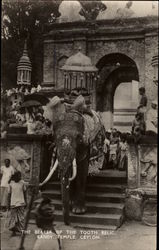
x: 65, y: 191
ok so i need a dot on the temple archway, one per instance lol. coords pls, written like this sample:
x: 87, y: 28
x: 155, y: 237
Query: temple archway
x: 114, y: 69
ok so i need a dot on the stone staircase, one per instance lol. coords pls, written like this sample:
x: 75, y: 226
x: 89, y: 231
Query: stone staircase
x: 123, y: 119
x: 105, y: 196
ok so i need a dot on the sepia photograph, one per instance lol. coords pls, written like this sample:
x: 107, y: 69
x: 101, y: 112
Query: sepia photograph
x: 79, y: 125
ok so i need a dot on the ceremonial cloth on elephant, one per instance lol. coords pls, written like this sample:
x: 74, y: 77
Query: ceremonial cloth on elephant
x: 94, y: 135
x: 92, y: 126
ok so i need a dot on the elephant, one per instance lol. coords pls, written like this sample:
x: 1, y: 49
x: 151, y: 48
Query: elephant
x: 74, y: 134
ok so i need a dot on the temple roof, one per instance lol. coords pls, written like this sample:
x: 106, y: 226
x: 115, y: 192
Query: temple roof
x: 79, y: 62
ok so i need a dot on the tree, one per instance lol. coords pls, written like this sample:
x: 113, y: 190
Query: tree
x: 24, y: 19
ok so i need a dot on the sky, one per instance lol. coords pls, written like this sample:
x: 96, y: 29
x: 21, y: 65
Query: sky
x: 70, y: 9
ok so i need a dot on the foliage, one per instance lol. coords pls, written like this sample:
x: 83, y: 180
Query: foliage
x: 27, y: 19
x: 23, y: 19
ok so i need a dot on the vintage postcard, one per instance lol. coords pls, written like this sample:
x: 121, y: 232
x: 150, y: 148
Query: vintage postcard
x: 79, y: 124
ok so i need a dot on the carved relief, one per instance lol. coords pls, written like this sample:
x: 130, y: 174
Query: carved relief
x: 148, y: 166
x: 20, y: 158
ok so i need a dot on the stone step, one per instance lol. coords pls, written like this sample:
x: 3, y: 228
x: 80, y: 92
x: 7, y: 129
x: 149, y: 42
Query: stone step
x: 95, y: 196
x: 124, y: 110
x: 83, y: 226
x: 105, y: 196
x: 97, y: 218
x: 123, y: 118
x: 123, y: 123
x: 108, y: 188
x: 90, y: 218
x: 111, y: 173
x: 107, y: 176
x: 93, y: 207
x: 95, y: 226
x: 121, y: 180
x: 123, y: 128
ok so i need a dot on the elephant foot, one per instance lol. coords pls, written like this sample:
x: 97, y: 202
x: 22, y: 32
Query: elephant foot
x: 79, y: 210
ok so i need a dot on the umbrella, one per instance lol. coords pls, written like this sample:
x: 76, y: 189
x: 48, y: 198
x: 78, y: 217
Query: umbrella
x: 30, y: 103
x: 37, y: 97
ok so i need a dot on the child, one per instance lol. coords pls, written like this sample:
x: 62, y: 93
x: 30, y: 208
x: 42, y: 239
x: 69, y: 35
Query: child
x: 113, y: 154
x: 106, y: 151
x: 17, y: 201
x: 7, y: 171
x: 123, y: 154
x: 44, y: 220
x: 114, y: 149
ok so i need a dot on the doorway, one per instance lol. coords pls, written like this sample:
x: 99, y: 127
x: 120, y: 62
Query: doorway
x: 126, y: 100
x: 115, y: 69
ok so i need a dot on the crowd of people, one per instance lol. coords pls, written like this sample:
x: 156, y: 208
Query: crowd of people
x: 115, y: 150
x: 115, y: 143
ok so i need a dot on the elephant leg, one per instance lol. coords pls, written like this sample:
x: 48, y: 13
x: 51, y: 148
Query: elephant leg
x: 80, y: 183
x: 65, y: 200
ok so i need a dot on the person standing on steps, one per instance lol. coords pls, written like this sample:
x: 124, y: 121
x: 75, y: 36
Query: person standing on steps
x: 123, y: 159
x: 106, y: 148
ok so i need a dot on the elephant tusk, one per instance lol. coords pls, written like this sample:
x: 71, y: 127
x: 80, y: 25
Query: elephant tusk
x: 50, y: 174
x: 74, y: 170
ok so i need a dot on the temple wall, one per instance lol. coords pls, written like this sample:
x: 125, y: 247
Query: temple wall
x: 100, y: 40
x: 133, y: 48
x: 151, y: 46
x: 22, y: 148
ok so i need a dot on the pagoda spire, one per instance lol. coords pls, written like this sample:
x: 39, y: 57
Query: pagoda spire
x: 24, y: 68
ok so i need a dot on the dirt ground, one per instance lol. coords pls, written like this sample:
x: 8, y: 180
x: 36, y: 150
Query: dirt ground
x: 131, y: 236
